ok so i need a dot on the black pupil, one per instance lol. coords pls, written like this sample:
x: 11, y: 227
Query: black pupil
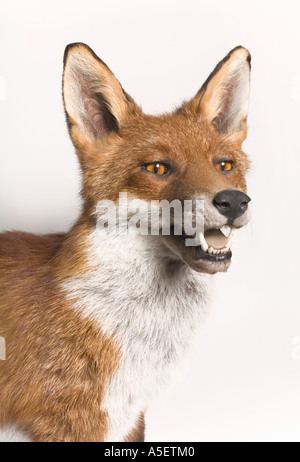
x: 156, y: 168
x: 224, y: 163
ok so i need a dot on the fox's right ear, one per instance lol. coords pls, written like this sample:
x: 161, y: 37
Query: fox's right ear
x: 94, y: 100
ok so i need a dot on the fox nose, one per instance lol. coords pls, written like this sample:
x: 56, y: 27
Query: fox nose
x: 231, y: 203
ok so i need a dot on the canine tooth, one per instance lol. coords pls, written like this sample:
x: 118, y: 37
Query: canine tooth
x: 226, y: 230
x: 204, y: 247
x: 228, y: 245
x: 203, y: 243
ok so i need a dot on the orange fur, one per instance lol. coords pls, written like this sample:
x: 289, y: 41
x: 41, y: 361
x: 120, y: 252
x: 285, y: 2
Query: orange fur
x: 57, y: 363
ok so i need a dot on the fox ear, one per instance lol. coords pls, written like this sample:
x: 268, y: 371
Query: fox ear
x: 223, y: 99
x: 94, y: 100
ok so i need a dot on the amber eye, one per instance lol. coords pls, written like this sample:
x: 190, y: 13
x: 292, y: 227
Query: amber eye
x: 224, y: 166
x: 158, y: 168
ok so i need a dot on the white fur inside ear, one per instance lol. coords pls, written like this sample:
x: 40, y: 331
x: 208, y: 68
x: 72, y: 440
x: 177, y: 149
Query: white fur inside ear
x: 94, y: 99
x: 73, y: 98
x: 233, y: 98
x: 224, y: 97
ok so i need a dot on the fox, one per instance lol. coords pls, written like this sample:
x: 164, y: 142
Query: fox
x: 96, y: 324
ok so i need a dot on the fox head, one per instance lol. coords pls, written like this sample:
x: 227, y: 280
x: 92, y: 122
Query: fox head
x: 193, y: 153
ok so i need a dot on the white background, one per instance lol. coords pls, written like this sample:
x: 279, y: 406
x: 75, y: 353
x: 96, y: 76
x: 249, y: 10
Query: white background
x: 243, y: 382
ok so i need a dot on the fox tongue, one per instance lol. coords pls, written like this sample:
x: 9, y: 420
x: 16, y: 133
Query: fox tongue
x: 215, y: 238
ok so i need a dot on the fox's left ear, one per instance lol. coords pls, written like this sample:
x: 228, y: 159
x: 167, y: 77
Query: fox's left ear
x: 224, y: 98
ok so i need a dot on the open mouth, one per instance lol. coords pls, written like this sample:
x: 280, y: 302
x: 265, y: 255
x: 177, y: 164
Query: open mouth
x: 215, y: 245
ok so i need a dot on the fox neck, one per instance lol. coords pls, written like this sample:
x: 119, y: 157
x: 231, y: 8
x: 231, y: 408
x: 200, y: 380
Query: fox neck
x: 147, y: 303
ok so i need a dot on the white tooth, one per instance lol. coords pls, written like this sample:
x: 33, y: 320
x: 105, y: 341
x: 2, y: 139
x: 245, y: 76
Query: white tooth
x: 203, y: 243
x: 210, y: 250
x: 228, y: 245
x: 204, y: 247
x: 215, y: 251
x: 226, y: 230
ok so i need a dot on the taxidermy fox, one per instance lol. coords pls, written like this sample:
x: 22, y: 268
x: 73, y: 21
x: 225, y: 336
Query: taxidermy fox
x: 95, y: 324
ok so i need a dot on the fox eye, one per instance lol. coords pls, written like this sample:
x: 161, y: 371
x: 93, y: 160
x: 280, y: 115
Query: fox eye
x: 224, y: 166
x: 159, y: 168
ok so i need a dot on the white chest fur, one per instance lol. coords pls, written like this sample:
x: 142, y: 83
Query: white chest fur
x: 151, y: 307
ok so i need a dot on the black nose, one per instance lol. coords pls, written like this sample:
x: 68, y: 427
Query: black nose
x: 231, y: 203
